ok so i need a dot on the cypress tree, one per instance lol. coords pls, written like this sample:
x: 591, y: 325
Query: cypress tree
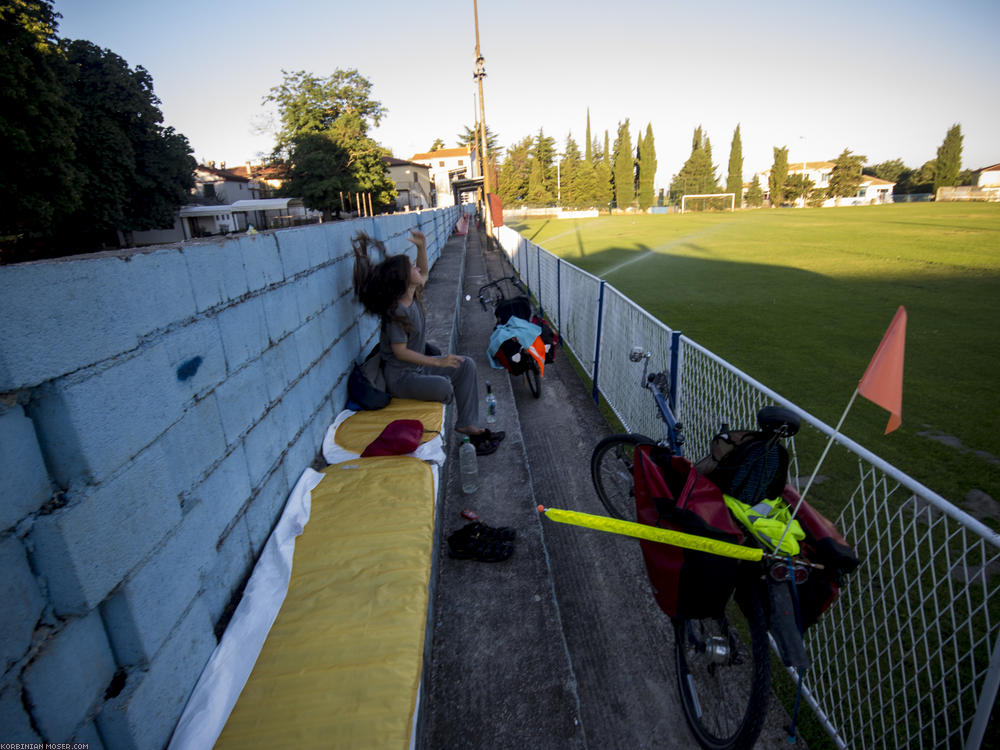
x: 570, y: 167
x: 755, y: 195
x: 588, y: 153
x: 779, y: 173
x: 647, y: 169
x: 623, y: 167
x: 734, y: 182
x: 949, y: 159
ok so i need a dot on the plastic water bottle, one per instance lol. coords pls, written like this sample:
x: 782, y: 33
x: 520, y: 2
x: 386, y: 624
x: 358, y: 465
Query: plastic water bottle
x: 491, y: 404
x: 467, y: 462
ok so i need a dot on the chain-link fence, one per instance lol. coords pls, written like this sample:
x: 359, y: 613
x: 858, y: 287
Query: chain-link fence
x: 909, y: 656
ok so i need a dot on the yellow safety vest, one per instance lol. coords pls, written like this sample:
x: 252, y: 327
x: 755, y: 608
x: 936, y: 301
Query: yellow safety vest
x: 767, y: 521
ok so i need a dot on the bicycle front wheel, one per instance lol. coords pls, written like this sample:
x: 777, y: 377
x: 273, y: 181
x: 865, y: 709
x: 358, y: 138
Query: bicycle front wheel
x: 724, y: 675
x: 611, y: 470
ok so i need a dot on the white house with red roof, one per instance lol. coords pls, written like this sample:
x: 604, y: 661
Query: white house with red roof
x: 446, y: 165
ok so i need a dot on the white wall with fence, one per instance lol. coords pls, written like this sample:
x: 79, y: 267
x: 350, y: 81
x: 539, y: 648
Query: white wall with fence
x: 909, y: 655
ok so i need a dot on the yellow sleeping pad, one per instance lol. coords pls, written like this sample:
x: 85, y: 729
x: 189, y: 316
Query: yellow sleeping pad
x: 360, y: 429
x: 341, y: 665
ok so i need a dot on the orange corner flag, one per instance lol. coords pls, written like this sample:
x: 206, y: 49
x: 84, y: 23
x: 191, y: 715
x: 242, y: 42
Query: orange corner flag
x: 882, y: 382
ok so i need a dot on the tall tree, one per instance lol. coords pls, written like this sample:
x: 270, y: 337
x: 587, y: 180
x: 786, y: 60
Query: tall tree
x: 471, y: 136
x: 755, y: 194
x: 438, y: 144
x: 514, y: 173
x: 135, y: 173
x: 846, y: 174
x: 588, y: 146
x: 39, y: 183
x: 623, y: 167
x: 798, y: 186
x: 647, y: 169
x: 949, y: 159
x: 734, y: 178
x: 339, y: 107
x: 890, y: 170
x: 779, y: 175
x: 320, y: 171
x: 308, y: 104
x: 542, y: 180
x: 697, y: 176
x: 569, y: 167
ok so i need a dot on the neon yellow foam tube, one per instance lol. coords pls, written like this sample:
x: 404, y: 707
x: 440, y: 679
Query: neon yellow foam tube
x: 652, y: 533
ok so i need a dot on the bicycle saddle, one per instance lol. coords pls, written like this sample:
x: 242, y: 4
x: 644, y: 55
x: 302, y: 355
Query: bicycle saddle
x: 779, y: 420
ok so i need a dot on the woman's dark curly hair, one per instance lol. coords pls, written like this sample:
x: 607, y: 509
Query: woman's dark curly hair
x: 379, y: 286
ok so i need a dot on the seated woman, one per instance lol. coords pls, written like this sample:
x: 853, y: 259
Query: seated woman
x: 392, y: 289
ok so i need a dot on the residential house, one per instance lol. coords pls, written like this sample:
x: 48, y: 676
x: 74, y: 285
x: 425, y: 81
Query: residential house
x: 413, y: 183
x: 225, y: 201
x: 448, y: 166
x: 871, y: 190
x: 989, y: 180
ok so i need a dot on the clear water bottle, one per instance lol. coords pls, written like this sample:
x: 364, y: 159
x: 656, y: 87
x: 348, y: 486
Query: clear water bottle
x: 467, y: 463
x: 491, y: 404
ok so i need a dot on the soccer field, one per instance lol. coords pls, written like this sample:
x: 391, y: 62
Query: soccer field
x: 799, y: 299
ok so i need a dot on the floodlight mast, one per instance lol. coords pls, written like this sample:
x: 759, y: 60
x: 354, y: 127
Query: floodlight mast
x: 479, y: 75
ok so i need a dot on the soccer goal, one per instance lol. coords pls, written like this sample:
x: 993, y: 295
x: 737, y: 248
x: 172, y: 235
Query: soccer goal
x: 707, y: 196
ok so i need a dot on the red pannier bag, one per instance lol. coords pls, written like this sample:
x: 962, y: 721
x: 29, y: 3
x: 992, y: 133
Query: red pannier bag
x: 671, y: 494
x: 825, y: 545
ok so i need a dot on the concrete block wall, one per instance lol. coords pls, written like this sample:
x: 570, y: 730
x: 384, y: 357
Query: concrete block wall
x: 156, y: 407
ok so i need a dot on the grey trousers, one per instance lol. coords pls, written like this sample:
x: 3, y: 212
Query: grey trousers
x: 440, y: 384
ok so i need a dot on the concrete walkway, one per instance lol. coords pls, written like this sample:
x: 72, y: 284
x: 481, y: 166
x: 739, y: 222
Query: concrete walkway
x: 562, y: 645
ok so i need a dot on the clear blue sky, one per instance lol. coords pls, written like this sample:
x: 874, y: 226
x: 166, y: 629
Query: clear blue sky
x: 885, y: 79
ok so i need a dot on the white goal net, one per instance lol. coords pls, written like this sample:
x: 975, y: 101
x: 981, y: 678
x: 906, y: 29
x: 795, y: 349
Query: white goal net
x: 708, y: 201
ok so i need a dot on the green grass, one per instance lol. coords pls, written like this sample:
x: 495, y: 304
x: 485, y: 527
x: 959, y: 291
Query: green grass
x: 799, y: 299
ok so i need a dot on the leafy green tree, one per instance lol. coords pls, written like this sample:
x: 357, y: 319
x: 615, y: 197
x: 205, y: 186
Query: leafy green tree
x: 538, y: 193
x: 779, y: 175
x: 39, y: 183
x: 755, y: 194
x: 135, y: 173
x: 890, y: 170
x: 916, y: 180
x: 308, y: 104
x: 569, y: 167
x: 798, y: 186
x: 604, y: 193
x: 734, y: 179
x: 623, y: 169
x: 846, y: 175
x: 697, y: 176
x: 647, y: 169
x: 543, y: 154
x: 949, y: 159
x: 341, y: 109
x: 470, y: 137
x: 588, y: 146
x: 585, y: 193
x: 514, y: 173
x: 320, y: 171
x: 438, y: 144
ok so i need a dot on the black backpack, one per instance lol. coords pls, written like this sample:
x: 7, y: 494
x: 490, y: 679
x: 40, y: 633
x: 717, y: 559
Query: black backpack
x: 748, y: 465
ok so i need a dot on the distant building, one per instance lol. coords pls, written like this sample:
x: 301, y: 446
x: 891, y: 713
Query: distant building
x: 448, y: 165
x: 871, y: 190
x: 989, y: 177
x: 413, y: 184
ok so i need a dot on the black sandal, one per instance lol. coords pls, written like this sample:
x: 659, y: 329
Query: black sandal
x: 479, y: 530
x: 478, y: 547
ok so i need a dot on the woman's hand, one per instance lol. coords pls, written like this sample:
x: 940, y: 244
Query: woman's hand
x: 418, y: 238
x: 451, y: 360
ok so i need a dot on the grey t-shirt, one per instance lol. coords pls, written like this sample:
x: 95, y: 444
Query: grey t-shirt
x: 393, y: 333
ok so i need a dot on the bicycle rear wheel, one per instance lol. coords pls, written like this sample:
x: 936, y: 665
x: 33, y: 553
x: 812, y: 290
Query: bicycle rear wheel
x: 534, y: 379
x: 724, y: 675
x: 611, y: 470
